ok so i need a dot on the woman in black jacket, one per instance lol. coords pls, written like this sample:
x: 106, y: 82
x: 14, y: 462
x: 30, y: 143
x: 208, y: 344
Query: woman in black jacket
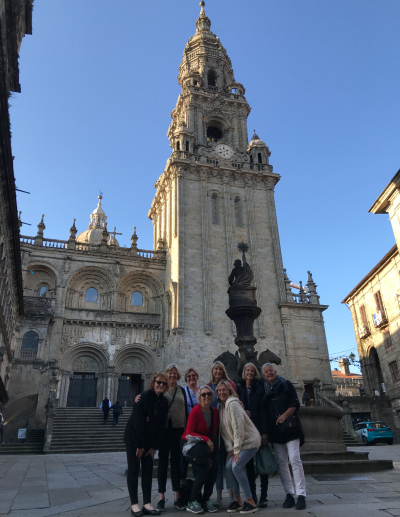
x: 285, y: 432
x: 251, y: 392
x: 143, y: 434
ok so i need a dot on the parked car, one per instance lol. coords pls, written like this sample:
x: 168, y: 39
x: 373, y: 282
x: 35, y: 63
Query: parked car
x: 374, y: 432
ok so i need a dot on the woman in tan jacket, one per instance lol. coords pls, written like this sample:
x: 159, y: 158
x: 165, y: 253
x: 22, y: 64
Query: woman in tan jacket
x: 242, y: 441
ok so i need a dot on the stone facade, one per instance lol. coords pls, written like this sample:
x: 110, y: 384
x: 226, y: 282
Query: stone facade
x: 105, y: 314
x: 375, y: 310
x: 346, y: 382
x: 15, y: 22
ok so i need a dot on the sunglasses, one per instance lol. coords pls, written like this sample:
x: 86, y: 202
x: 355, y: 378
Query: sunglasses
x: 204, y: 395
x: 163, y: 383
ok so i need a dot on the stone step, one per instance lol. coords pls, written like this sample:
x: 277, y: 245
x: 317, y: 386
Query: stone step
x: 333, y: 456
x: 346, y: 467
x: 21, y: 448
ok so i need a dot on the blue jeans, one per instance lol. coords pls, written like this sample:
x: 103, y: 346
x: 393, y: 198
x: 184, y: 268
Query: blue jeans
x: 236, y: 477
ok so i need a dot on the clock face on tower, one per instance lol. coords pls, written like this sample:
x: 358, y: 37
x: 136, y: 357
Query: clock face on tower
x: 224, y: 151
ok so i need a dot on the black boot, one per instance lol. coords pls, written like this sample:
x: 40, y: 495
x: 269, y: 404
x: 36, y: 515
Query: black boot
x: 289, y: 502
x: 263, y: 500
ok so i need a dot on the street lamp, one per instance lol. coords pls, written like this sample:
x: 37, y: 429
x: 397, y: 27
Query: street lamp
x: 352, y: 357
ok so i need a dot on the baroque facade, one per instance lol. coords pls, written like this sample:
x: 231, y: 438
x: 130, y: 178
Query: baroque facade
x: 104, y: 317
x: 375, y: 309
x: 15, y: 22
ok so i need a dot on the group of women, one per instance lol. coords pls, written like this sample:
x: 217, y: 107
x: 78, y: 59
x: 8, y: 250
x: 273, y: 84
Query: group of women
x: 216, y: 427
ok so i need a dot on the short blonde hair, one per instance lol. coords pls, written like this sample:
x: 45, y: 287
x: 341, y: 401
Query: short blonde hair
x: 191, y: 370
x: 163, y: 376
x: 256, y: 376
x: 224, y: 382
x: 171, y: 367
x: 198, y: 395
x: 220, y: 365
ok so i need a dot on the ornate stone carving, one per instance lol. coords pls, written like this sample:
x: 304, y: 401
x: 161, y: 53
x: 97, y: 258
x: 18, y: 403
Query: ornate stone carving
x: 132, y: 365
x: 84, y: 364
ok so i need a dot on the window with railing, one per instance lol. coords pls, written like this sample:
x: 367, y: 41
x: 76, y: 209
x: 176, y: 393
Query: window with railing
x: 394, y: 372
x: 387, y: 339
x: 91, y: 295
x: 215, y: 209
x: 378, y: 301
x: 29, y: 347
x: 363, y: 315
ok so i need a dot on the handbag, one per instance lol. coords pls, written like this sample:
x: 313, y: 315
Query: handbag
x: 200, y: 453
x: 265, y: 461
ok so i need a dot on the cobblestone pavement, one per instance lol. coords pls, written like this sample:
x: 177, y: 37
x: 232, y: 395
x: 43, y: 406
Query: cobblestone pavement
x: 75, y: 485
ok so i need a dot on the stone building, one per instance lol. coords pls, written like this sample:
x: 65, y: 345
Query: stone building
x: 375, y: 308
x: 15, y: 22
x: 346, y: 382
x: 104, y: 317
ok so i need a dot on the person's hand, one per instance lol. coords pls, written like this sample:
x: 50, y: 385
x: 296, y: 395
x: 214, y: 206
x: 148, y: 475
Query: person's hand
x: 236, y: 459
x: 229, y: 456
x: 280, y: 419
x: 139, y: 453
x: 248, y: 413
x: 137, y: 398
x: 151, y: 452
x: 210, y: 445
x: 264, y: 439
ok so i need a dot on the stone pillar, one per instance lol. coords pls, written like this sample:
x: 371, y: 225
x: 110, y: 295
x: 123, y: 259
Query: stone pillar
x: 179, y: 186
x: 71, y: 240
x: 205, y: 252
x: 276, y: 245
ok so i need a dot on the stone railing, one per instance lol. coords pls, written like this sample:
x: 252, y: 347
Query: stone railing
x: 324, y: 401
x: 27, y: 240
x: 303, y: 298
x: 28, y: 355
x: 54, y: 243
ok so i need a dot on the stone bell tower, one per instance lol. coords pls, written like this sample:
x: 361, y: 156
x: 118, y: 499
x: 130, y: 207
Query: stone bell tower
x: 217, y: 189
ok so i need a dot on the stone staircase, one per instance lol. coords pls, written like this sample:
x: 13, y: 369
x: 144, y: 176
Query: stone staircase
x: 80, y: 430
x: 349, y: 441
x: 33, y: 444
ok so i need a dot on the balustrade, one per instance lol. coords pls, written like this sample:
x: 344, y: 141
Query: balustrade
x: 28, y: 355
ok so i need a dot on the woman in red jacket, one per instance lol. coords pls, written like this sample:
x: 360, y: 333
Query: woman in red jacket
x: 203, y: 422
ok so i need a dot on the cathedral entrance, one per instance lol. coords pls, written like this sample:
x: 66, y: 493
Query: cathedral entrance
x: 82, y: 390
x: 129, y: 385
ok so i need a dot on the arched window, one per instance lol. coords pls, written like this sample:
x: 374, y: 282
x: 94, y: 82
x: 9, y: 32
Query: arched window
x: 178, y: 146
x: 43, y: 291
x: 215, y: 210
x: 30, y: 341
x: 238, y: 211
x: 212, y: 78
x: 91, y: 295
x: 137, y: 298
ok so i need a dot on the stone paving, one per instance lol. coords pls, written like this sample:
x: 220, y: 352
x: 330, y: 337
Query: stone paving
x: 75, y: 485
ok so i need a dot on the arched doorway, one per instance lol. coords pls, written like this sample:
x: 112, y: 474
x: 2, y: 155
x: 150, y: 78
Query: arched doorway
x: 375, y: 370
x: 83, y: 376
x: 135, y: 363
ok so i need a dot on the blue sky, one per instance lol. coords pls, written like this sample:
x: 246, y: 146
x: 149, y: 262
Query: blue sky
x: 99, y: 82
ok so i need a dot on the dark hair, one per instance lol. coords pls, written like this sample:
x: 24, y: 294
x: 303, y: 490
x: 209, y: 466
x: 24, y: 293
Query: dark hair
x: 117, y: 402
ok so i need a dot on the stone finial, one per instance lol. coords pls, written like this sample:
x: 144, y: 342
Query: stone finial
x: 160, y: 244
x: 255, y: 136
x: 72, y: 234
x: 19, y: 219
x: 134, y: 240
x: 203, y: 22
x: 288, y: 290
x: 39, y: 236
x: 312, y: 289
x: 104, y: 238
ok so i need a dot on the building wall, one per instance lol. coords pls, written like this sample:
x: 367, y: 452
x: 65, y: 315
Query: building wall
x: 385, y: 279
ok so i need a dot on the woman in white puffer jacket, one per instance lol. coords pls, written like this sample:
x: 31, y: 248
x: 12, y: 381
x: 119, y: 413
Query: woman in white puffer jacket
x: 242, y: 441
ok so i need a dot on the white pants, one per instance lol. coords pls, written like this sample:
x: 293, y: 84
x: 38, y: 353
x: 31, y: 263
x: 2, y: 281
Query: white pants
x: 290, y: 452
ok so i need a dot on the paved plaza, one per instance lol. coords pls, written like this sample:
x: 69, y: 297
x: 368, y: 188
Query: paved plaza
x: 74, y: 485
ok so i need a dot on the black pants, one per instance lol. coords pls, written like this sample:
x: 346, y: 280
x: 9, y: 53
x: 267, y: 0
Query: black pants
x: 170, y: 444
x: 105, y: 414
x: 115, y: 418
x: 133, y: 473
x: 206, y: 476
x: 1, y: 433
x: 251, y: 476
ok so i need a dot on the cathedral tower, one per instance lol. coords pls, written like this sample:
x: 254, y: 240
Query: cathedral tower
x: 218, y: 189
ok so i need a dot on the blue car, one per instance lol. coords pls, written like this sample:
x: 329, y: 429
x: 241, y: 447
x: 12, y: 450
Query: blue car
x: 374, y: 432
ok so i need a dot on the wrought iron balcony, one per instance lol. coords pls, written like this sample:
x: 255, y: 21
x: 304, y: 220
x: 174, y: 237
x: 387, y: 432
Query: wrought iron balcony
x: 379, y: 318
x: 363, y: 331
